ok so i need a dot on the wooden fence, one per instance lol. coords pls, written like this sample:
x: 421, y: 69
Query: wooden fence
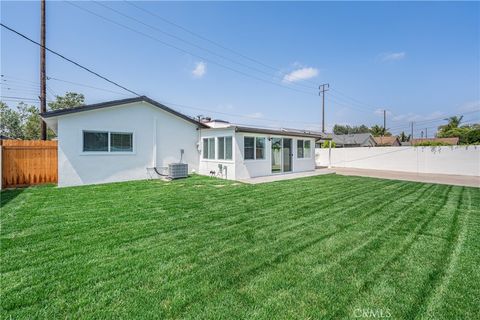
x: 28, y: 162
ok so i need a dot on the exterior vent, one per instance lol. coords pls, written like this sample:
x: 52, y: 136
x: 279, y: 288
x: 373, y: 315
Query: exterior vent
x: 178, y: 170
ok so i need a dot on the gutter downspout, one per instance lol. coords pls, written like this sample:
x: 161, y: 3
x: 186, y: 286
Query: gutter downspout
x: 154, y: 156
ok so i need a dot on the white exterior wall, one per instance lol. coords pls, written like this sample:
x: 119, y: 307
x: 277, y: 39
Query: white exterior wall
x: 207, y: 165
x: 173, y: 133
x: 457, y: 160
x: 256, y: 168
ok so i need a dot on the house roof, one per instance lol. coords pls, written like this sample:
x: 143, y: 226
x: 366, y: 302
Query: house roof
x: 56, y: 113
x: 355, y: 138
x: 453, y: 140
x: 281, y: 131
x: 386, y: 141
x: 290, y: 132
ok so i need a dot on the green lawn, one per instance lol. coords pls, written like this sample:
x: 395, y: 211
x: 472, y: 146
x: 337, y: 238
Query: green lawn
x: 320, y: 247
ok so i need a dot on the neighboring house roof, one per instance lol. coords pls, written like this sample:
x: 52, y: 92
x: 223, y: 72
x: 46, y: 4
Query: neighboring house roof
x: 452, y: 141
x: 387, y: 141
x: 355, y: 139
x: 56, y: 113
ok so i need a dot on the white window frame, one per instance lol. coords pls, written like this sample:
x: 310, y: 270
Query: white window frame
x: 208, y: 148
x: 108, y: 152
x: 305, y: 155
x: 255, y: 148
x: 110, y: 141
x: 224, y: 148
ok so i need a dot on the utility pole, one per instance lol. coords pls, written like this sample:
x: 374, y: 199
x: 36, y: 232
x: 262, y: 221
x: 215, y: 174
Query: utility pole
x: 43, y: 77
x: 411, y: 135
x: 426, y: 133
x: 384, y: 122
x: 323, y: 88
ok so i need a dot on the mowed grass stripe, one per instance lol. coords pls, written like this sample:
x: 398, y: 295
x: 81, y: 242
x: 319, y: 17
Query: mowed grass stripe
x: 319, y: 267
x: 242, y: 277
x: 209, y: 248
x: 39, y: 244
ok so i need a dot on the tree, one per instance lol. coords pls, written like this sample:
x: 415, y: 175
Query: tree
x: 30, y: 121
x: 10, y: 122
x: 467, y: 134
x: 24, y: 122
x: 68, y: 101
x: 378, y: 131
x: 453, y: 122
x: 341, y: 129
x: 403, y: 137
x: 328, y: 144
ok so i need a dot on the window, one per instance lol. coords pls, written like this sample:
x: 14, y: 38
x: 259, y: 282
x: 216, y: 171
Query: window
x: 299, y: 148
x: 303, y: 149
x: 254, y: 148
x: 221, y: 148
x: 208, y: 148
x: 248, y: 148
x: 121, y: 142
x: 95, y: 141
x: 260, y: 148
x: 224, y: 148
x: 228, y: 148
x: 104, y: 141
x: 306, y: 149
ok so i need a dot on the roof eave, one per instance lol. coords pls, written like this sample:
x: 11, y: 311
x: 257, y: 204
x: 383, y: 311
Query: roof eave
x: 277, y: 132
x: 62, y: 112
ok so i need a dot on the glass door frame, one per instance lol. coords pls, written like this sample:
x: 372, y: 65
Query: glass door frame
x: 282, y: 158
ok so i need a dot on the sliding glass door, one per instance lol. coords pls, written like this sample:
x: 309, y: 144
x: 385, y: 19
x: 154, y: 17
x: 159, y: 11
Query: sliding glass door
x: 287, y: 155
x: 276, y: 155
x: 282, y: 154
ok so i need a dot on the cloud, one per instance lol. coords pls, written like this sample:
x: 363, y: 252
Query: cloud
x: 199, y: 70
x: 392, y: 56
x: 470, y: 106
x: 256, y: 115
x: 301, y: 74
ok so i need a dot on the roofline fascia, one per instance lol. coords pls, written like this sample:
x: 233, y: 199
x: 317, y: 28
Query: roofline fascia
x: 96, y: 106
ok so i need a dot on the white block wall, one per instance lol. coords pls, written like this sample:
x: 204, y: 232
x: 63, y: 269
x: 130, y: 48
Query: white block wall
x: 457, y: 160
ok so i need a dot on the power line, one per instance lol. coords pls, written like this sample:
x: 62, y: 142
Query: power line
x: 187, y: 106
x: 190, y: 43
x: 208, y: 50
x: 202, y: 37
x: 276, y: 69
x: 69, y: 60
x: 85, y: 85
x: 443, y: 118
x: 186, y: 51
x: 21, y: 99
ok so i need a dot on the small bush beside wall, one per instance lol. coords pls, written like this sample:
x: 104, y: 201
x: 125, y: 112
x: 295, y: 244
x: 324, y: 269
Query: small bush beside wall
x: 326, y: 144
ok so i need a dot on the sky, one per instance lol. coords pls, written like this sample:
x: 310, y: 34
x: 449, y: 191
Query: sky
x: 258, y: 63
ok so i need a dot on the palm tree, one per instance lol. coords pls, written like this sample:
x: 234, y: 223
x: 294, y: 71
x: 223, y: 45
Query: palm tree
x: 453, y: 122
x: 377, y: 131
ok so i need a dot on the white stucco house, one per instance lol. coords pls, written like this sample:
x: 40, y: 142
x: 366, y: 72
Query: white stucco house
x: 121, y: 140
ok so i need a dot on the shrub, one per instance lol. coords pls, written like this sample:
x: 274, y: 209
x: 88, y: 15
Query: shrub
x: 326, y: 144
x: 431, y: 144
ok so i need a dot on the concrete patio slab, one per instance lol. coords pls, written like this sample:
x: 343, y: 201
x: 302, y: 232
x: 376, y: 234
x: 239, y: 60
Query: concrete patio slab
x: 469, y: 181
x: 287, y: 176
